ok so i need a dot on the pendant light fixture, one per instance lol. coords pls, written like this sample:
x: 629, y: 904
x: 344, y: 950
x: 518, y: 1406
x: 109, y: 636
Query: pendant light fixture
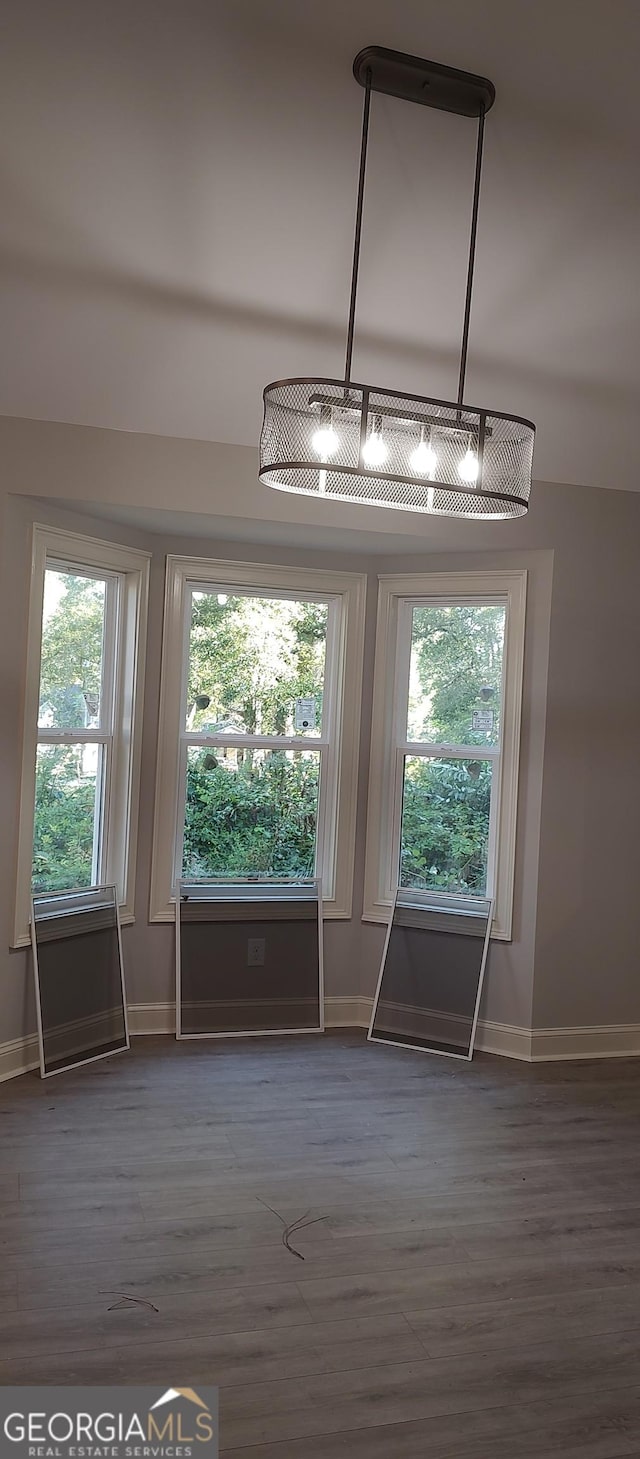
x: 359, y: 443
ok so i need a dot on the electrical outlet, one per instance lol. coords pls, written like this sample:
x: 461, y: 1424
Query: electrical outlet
x: 255, y: 952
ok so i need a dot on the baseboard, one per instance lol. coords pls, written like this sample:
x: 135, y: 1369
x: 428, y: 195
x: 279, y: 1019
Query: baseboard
x: 597, y: 1041
x: 340, y: 1012
x: 510, y: 1041
x: 506, y: 1039
x: 149, y: 1018
x: 18, y: 1056
x: 152, y: 1018
x: 491, y: 1038
x: 538, y: 1045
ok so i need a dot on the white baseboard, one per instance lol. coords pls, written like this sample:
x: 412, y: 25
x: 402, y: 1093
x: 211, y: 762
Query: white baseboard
x: 597, y: 1041
x: 506, y: 1039
x: 538, y: 1045
x: 152, y: 1018
x: 340, y: 1012
x: 161, y: 1017
x: 18, y: 1056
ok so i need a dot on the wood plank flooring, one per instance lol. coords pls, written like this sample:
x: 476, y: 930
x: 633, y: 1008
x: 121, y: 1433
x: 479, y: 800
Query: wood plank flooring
x: 469, y: 1287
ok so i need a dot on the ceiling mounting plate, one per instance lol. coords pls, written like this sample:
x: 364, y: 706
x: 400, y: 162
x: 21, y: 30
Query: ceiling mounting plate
x: 426, y: 82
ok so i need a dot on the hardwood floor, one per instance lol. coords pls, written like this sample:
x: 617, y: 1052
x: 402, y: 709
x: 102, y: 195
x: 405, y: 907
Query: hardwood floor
x: 469, y: 1288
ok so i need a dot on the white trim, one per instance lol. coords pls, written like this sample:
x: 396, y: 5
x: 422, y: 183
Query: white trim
x: 600, y: 1041
x: 122, y: 795
x: 19, y: 1056
x: 160, y: 1018
x: 152, y: 1018
x: 512, y: 1041
x: 258, y: 742
x: 507, y: 1040
x: 383, y: 814
x: 342, y: 1011
x: 337, y: 832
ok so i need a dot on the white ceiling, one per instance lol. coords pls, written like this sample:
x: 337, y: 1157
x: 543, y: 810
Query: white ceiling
x: 179, y: 183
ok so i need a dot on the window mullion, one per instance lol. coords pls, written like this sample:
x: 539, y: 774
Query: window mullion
x: 72, y: 737
x: 111, y: 720
x: 100, y: 835
x: 420, y: 749
x: 397, y: 793
x: 256, y: 742
x: 178, y: 847
x: 403, y: 670
x: 110, y: 655
x: 327, y: 745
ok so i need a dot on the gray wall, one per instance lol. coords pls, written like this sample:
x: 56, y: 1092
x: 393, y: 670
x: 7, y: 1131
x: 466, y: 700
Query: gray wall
x: 587, y: 941
x: 573, y: 958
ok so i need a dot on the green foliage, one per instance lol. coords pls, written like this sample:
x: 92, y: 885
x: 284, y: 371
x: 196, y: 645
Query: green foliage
x: 257, y: 820
x: 457, y: 655
x: 445, y: 825
x: 70, y: 675
x: 63, y: 827
x: 71, y: 660
x: 251, y: 658
x: 456, y: 668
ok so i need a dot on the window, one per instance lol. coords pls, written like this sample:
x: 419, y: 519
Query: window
x: 445, y: 742
x: 82, y: 703
x: 252, y: 741
x: 75, y: 728
x: 258, y: 727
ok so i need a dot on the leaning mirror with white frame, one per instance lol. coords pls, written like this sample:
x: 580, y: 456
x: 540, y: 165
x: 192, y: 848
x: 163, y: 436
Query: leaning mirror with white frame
x: 79, y: 977
x: 431, y: 975
x: 248, y: 958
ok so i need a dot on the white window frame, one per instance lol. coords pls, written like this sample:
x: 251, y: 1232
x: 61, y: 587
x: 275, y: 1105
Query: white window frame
x: 339, y: 742
x: 397, y: 595
x: 126, y: 571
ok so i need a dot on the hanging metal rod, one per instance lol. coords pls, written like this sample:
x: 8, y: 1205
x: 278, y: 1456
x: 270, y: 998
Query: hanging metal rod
x: 358, y: 231
x: 442, y: 87
x: 472, y: 258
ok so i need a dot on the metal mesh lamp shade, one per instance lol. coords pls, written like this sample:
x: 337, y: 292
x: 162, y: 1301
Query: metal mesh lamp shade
x: 358, y: 443
x: 352, y: 443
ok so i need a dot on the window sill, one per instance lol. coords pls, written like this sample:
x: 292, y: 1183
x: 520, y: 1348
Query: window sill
x: 330, y: 913
x: 23, y: 939
x: 380, y: 911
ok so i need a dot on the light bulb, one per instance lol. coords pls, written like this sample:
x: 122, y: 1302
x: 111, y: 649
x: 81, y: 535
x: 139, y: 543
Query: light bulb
x: 375, y: 450
x: 325, y: 442
x: 424, y: 459
x: 468, y: 468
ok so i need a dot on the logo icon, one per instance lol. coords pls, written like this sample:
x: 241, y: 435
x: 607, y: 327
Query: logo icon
x: 172, y: 1393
